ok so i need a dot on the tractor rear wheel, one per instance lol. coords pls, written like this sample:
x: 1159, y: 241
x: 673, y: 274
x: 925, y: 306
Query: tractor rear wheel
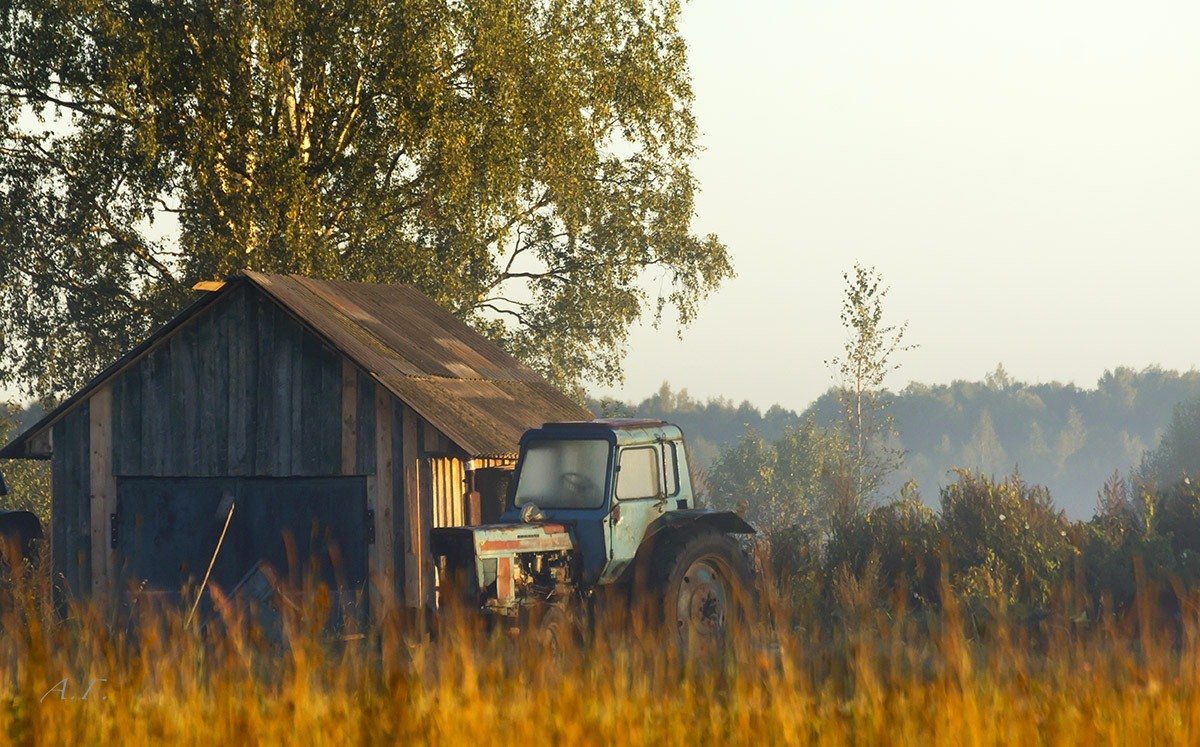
x: 705, y: 587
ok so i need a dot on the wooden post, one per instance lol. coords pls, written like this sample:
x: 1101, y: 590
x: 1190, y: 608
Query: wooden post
x: 472, y: 502
x: 103, y: 498
x: 383, y: 574
x: 413, y: 592
x: 349, y: 417
x: 424, y: 503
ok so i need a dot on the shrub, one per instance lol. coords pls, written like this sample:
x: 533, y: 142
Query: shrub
x: 1004, y: 538
x: 1160, y: 532
x: 1177, y: 517
x: 897, y: 540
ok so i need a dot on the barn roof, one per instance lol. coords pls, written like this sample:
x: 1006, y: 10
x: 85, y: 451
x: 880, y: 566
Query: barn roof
x: 465, y: 385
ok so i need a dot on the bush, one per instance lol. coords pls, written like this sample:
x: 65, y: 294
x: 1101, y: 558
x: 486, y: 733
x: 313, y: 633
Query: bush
x: 794, y: 556
x: 897, y: 540
x: 778, y: 485
x: 1177, y: 517
x: 1004, y: 541
x: 1161, y: 534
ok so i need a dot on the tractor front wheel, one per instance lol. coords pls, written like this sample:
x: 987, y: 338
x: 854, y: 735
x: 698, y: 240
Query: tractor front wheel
x: 706, y: 587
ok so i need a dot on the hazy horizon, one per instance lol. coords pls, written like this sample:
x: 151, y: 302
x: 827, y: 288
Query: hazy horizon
x: 1024, y: 176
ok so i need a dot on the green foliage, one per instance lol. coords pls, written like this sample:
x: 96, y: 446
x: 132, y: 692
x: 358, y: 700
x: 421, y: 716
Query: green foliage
x: 1002, y: 547
x: 525, y: 164
x: 1111, y: 562
x: 794, y: 554
x: 897, y: 540
x: 788, y: 483
x: 1152, y: 541
x: 1177, y: 517
x: 28, y: 481
x: 1006, y: 550
x: 865, y: 362
x: 1177, y: 454
x: 1004, y: 538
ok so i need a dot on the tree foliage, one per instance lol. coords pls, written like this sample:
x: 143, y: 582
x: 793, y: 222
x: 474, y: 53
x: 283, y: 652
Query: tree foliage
x: 897, y: 540
x: 1005, y: 539
x: 1066, y: 437
x: 790, y: 482
x: 866, y: 360
x: 28, y: 481
x: 1177, y: 454
x: 524, y: 163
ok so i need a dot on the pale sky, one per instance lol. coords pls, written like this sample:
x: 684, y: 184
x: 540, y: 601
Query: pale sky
x: 1026, y: 176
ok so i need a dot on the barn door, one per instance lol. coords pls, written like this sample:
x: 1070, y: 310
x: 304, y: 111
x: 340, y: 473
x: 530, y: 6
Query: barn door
x: 303, y: 528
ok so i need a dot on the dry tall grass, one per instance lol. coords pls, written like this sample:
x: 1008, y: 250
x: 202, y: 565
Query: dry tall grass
x: 879, y: 676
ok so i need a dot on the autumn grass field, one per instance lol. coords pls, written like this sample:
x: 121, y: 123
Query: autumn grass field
x: 874, y: 673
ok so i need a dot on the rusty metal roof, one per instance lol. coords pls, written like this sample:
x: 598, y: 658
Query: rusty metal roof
x: 485, y: 418
x: 454, y: 377
x: 393, y: 329
x: 465, y: 385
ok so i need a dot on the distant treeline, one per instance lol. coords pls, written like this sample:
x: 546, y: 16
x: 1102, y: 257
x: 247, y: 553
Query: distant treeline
x: 1061, y: 436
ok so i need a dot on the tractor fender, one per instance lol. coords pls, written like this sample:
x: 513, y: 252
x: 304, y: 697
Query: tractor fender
x: 681, y: 520
x: 722, y: 521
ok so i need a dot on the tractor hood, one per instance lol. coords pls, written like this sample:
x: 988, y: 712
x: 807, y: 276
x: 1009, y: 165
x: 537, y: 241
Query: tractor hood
x: 507, y: 539
x: 496, y: 540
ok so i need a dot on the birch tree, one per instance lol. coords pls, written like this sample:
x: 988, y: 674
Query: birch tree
x: 527, y: 164
x: 868, y: 356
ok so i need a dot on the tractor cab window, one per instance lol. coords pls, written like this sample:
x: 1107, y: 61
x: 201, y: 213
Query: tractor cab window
x: 567, y: 473
x: 671, y: 468
x: 639, y: 473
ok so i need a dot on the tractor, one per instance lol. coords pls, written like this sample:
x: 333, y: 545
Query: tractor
x: 600, y: 512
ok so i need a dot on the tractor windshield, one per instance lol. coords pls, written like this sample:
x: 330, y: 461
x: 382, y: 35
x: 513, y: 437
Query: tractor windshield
x: 567, y: 473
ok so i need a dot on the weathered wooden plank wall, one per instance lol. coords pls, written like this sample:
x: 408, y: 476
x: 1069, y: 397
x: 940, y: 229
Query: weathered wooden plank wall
x: 414, y: 595
x: 385, y: 500
x: 449, y: 486
x: 373, y: 444
x: 349, y: 417
x: 103, y: 493
x: 70, y: 522
x: 242, y: 390
x: 365, y: 427
x: 400, y: 512
x: 449, y: 483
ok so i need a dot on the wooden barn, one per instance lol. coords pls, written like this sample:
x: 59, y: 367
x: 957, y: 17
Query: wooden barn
x: 340, y: 421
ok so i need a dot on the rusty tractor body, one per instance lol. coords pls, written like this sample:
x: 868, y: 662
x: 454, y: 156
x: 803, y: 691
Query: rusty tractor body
x: 601, y: 506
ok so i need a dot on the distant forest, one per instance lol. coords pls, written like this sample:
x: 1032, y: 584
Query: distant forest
x: 1061, y: 436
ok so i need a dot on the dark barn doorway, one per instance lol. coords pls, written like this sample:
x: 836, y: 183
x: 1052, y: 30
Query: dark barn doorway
x: 167, y: 530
